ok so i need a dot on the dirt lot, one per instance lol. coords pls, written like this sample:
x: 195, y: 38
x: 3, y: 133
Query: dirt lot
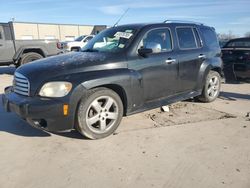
x: 193, y: 145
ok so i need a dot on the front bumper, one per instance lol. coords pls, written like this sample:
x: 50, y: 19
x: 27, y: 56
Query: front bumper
x: 42, y: 113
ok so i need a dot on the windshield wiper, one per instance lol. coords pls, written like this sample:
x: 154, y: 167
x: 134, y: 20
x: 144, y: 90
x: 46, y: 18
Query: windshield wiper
x: 90, y: 50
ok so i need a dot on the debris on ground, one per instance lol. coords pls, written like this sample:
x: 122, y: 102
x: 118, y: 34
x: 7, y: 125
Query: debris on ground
x: 248, y: 114
x: 184, y: 113
x: 165, y: 108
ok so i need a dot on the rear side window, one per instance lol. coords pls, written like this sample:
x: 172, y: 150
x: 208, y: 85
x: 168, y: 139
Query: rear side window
x: 7, y: 33
x: 198, y: 39
x: 1, y: 37
x: 210, y: 37
x: 186, y: 38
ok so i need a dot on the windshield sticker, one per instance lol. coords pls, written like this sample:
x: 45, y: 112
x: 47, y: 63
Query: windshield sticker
x: 121, y: 46
x: 123, y: 35
x: 129, y: 31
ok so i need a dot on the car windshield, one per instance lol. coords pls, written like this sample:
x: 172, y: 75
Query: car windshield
x: 113, y: 40
x: 239, y: 43
x: 79, y: 39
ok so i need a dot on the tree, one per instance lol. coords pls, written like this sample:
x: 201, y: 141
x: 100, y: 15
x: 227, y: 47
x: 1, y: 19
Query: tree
x: 247, y: 34
x: 226, y: 36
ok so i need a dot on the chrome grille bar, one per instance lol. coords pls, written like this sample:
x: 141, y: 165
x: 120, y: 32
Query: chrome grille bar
x: 21, y: 84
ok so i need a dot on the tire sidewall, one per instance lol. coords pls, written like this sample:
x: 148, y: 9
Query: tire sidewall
x: 27, y: 58
x: 209, y: 76
x: 83, y: 107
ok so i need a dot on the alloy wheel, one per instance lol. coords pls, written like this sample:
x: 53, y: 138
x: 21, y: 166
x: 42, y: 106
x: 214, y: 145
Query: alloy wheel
x: 213, y: 87
x: 102, y: 114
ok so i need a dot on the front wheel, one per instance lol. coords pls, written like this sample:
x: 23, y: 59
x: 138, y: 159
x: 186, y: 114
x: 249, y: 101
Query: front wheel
x: 211, y: 89
x: 99, y: 113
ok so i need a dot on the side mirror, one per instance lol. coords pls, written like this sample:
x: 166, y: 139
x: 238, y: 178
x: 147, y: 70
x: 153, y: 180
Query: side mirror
x: 156, y: 47
x: 144, y: 51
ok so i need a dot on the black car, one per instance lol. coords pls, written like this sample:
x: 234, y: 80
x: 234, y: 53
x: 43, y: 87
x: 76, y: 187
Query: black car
x: 236, y: 59
x: 123, y: 70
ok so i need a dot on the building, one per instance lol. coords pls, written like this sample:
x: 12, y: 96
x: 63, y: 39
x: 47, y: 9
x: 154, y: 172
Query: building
x: 62, y: 32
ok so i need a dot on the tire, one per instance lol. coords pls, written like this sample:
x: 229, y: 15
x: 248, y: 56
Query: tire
x: 28, y: 57
x: 211, y: 89
x: 99, y: 113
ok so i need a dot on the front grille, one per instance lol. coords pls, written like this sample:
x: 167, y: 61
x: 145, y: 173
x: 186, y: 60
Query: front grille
x: 21, y: 84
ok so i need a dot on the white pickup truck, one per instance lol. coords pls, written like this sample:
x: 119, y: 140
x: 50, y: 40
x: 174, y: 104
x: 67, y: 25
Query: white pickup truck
x: 78, y: 43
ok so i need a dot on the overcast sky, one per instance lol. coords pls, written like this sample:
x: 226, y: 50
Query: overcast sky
x: 224, y: 15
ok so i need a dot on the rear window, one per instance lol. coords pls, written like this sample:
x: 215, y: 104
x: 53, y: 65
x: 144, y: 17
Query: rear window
x: 239, y: 43
x: 210, y: 37
x: 186, y: 38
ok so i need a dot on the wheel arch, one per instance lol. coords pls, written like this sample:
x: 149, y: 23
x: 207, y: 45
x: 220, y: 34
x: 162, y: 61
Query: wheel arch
x: 81, y: 91
x: 120, y: 91
x: 22, y: 51
x: 217, y: 69
x: 206, y: 67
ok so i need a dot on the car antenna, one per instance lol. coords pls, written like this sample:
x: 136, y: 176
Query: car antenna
x: 116, y: 23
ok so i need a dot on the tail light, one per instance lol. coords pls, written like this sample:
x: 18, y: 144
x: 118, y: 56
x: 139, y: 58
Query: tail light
x: 59, y: 45
x: 247, y: 55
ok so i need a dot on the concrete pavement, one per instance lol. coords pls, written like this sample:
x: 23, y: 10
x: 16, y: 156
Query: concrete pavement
x: 144, y: 152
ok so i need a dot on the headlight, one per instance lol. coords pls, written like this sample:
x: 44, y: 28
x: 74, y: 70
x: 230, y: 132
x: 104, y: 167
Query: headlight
x: 55, y: 89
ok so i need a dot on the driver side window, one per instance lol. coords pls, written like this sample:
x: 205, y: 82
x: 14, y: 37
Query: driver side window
x: 159, y: 40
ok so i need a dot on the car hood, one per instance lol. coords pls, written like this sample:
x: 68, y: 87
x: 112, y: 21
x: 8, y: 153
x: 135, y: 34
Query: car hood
x: 69, y: 63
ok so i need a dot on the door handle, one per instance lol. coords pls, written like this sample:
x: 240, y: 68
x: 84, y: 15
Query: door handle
x: 170, y: 61
x: 202, y: 56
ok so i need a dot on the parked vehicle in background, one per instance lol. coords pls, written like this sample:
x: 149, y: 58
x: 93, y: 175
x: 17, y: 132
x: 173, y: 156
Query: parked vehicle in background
x: 222, y: 43
x: 78, y: 43
x: 20, y: 52
x: 123, y: 70
x: 236, y: 59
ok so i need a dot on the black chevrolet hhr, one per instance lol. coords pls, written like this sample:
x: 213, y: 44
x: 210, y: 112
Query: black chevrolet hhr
x: 123, y: 70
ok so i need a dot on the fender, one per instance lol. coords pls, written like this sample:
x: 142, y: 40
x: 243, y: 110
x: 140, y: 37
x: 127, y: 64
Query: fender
x: 211, y: 64
x: 127, y: 81
x: 20, y: 51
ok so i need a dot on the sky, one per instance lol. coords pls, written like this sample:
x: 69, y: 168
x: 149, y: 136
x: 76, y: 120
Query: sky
x: 225, y: 15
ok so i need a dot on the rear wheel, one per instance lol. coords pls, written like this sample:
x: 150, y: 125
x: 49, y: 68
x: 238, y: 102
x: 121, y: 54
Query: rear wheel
x: 99, y: 114
x: 211, y: 89
x: 28, y: 57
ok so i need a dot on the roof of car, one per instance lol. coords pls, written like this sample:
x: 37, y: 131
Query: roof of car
x: 240, y: 39
x: 141, y: 25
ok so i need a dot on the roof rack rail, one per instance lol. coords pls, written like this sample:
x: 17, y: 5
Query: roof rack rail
x: 182, y: 21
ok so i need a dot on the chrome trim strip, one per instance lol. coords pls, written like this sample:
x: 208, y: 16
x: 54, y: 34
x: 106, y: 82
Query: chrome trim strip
x: 21, y: 85
x: 19, y: 80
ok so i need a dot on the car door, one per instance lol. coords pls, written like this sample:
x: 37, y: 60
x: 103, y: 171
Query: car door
x: 2, y: 45
x: 159, y: 68
x: 190, y: 57
x: 6, y: 45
